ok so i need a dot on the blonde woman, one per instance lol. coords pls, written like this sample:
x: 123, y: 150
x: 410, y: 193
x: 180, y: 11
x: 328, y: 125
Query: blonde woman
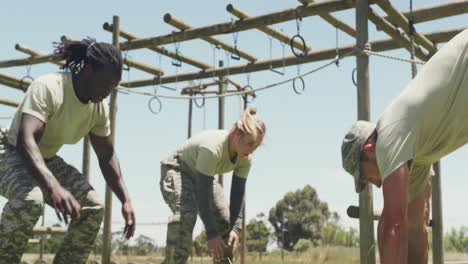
x: 189, y: 187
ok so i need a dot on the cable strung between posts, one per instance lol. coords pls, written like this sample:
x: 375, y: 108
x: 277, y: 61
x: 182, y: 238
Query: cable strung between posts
x: 242, y: 92
x: 370, y: 52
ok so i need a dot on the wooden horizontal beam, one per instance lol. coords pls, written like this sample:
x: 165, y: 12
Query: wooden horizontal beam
x: 177, y: 23
x: 108, y: 27
x: 325, y: 6
x: 332, y: 20
x: 268, y: 29
x: 30, y: 60
x: 20, y: 84
x: 35, y: 53
x: 379, y: 45
x: 401, y: 21
x: 9, y: 102
x: 198, y: 87
x: 393, y: 32
x: 131, y: 63
x: 438, y: 11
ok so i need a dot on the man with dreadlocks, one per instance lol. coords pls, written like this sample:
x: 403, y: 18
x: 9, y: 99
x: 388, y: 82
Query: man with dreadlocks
x: 61, y: 108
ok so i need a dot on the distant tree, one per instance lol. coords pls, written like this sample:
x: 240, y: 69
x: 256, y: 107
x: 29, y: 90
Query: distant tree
x: 144, y: 245
x: 336, y: 235
x: 457, y: 240
x: 299, y: 214
x: 258, y: 234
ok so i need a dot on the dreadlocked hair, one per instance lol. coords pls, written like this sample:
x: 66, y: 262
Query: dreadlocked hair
x: 99, y: 54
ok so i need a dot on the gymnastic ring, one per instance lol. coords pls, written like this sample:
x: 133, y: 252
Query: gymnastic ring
x: 304, y: 47
x: 302, y: 83
x: 197, y: 104
x: 150, y: 107
x: 245, y: 96
x: 354, y: 72
x: 22, y: 81
x: 236, y: 54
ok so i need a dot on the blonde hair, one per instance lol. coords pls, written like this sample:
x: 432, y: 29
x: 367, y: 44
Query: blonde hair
x: 249, y: 123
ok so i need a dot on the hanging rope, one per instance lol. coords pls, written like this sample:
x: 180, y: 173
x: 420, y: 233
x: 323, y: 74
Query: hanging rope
x: 235, y: 55
x: 298, y: 88
x: 271, y: 58
x: 248, y: 90
x: 244, y: 92
x: 176, y: 61
x: 299, y: 37
x: 337, y: 62
x: 26, y: 77
x: 155, y: 100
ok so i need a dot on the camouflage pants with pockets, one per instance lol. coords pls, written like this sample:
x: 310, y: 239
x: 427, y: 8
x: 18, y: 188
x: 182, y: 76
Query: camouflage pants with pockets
x: 26, y: 202
x: 178, y: 190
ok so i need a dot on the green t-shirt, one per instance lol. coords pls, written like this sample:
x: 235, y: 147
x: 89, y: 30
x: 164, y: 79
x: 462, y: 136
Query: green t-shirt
x: 51, y: 99
x: 428, y: 120
x: 207, y: 153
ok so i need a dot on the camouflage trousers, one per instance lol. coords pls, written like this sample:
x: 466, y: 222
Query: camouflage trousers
x: 26, y: 202
x: 178, y: 190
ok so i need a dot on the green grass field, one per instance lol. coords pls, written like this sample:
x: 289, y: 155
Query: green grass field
x: 321, y: 255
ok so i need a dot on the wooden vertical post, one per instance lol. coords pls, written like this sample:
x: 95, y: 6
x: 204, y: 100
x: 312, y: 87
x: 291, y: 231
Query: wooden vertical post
x: 366, y: 223
x: 437, y: 226
x: 243, y: 233
x: 221, y: 90
x: 41, y: 246
x: 190, y: 113
x: 86, y: 154
x: 107, y: 237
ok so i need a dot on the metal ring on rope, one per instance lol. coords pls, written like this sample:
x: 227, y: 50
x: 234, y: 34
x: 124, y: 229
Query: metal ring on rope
x: 199, y: 105
x: 22, y: 81
x: 353, y: 73
x: 297, y: 91
x: 245, y: 96
x: 236, y: 54
x: 304, y: 46
x: 150, y: 105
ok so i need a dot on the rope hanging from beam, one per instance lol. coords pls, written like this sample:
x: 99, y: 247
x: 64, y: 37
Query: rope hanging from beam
x: 242, y: 92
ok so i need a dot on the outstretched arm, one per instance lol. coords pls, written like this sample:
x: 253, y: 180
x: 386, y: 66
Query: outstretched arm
x: 110, y: 168
x: 30, y: 133
x: 204, y: 193
x: 393, y: 224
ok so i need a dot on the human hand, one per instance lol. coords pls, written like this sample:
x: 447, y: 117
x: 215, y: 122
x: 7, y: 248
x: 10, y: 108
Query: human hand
x: 129, y: 217
x: 216, y: 248
x: 233, y: 242
x: 64, y: 204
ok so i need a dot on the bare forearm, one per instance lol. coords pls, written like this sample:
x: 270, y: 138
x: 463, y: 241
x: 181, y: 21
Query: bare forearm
x: 110, y: 169
x: 34, y: 160
x: 393, y: 242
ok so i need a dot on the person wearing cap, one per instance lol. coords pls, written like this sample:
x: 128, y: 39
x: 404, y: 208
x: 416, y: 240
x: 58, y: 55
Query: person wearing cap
x: 427, y: 121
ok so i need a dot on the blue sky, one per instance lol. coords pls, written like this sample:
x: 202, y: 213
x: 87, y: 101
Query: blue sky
x: 304, y: 131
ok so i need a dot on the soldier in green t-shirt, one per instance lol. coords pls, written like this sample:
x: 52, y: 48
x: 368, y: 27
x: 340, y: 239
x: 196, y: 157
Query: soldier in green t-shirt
x: 427, y: 121
x: 189, y: 187
x: 57, y: 109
